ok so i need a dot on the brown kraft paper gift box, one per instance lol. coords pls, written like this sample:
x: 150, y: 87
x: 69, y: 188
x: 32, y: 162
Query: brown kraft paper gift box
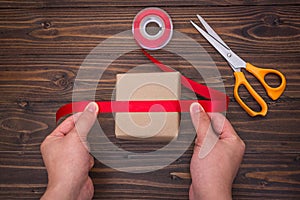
x: 153, y: 126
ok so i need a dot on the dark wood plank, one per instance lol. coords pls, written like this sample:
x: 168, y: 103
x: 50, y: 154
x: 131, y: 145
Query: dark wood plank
x: 23, y: 128
x: 75, y: 31
x: 41, y: 51
x: 127, y: 3
x: 271, y: 178
x: 52, y: 77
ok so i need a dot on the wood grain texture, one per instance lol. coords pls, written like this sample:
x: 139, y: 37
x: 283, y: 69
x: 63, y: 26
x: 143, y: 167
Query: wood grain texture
x: 43, y: 45
x: 24, y: 127
x: 75, y: 31
x: 274, y: 177
x: 128, y: 3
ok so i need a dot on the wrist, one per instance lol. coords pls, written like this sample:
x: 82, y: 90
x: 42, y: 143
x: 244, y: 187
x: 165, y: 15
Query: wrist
x: 59, y: 192
x: 212, y: 193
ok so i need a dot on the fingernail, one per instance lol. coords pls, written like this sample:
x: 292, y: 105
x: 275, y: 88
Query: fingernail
x: 196, y: 108
x: 92, y: 107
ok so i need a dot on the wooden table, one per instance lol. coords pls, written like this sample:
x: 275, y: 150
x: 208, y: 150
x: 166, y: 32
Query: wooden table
x: 42, y: 46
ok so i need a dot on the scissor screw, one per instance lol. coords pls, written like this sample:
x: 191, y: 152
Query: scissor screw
x: 229, y: 55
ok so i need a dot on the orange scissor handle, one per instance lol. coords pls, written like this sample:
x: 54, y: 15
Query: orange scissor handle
x: 240, y: 80
x: 260, y: 74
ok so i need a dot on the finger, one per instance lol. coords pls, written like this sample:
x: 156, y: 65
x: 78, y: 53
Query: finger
x: 207, y: 138
x: 201, y: 122
x: 92, y: 162
x: 86, y: 120
x: 66, y: 126
x: 222, y: 126
x: 217, y: 121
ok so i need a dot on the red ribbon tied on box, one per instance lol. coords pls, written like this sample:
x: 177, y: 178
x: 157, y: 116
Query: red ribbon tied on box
x: 214, y: 100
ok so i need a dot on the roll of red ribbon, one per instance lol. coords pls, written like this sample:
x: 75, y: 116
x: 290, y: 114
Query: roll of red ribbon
x: 141, y: 33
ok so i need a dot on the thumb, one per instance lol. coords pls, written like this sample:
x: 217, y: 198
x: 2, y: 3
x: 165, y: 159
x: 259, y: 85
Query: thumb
x: 86, y: 120
x: 206, y: 136
x: 201, y: 122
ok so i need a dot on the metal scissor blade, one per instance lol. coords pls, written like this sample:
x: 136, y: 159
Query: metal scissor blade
x: 211, y: 32
x: 234, y: 60
x: 217, y: 45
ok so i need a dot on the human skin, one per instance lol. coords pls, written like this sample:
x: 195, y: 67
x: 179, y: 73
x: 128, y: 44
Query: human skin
x: 213, y: 175
x: 67, y: 159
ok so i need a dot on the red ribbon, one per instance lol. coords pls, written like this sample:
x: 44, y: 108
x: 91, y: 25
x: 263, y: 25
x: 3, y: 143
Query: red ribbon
x: 198, y: 88
x: 218, y: 102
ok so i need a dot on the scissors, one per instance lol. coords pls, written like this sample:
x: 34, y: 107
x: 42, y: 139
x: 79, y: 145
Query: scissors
x: 236, y: 63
